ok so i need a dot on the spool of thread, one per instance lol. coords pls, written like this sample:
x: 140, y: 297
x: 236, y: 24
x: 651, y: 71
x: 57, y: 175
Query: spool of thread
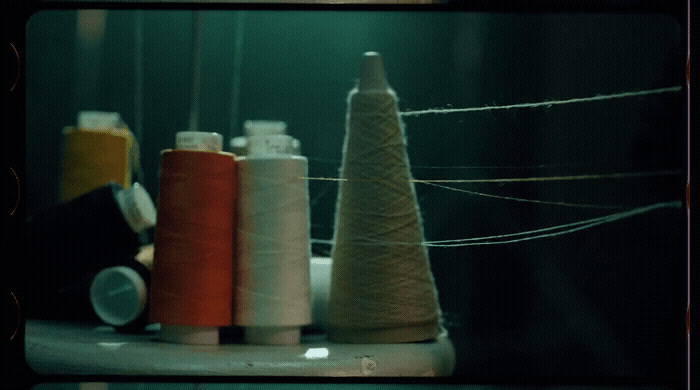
x: 99, y: 150
x: 192, y: 288
x: 272, y: 292
x: 380, y: 292
x: 70, y: 242
x: 119, y: 295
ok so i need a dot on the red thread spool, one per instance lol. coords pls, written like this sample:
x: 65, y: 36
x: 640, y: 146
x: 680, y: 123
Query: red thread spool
x: 193, y: 249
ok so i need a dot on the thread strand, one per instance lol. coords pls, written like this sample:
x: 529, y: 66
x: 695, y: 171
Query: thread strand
x: 581, y: 225
x: 622, y: 175
x: 540, y: 104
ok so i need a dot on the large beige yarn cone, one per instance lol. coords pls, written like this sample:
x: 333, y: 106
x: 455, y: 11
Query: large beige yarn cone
x: 382, y: 289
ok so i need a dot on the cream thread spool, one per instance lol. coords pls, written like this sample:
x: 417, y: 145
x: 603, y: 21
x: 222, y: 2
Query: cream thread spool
x: 272, y: 292
x: 380, y: 293
x: 185, y: 334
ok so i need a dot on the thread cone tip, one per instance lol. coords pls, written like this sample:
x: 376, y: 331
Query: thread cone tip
x: 373, y: 75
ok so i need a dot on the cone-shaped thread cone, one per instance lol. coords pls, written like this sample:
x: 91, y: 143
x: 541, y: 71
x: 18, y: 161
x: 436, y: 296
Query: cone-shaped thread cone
x: 381, y: 291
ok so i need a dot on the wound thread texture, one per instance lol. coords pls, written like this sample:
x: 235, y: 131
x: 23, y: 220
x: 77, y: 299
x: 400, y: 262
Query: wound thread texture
x: 273, y: 249
x: 379, y: 293
x: 193, y: 248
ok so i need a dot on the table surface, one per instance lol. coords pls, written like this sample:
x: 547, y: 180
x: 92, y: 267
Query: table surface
x: 53, y: 347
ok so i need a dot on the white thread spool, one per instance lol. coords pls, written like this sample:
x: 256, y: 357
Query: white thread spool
x: 272, y: 294
x: 184, y: 334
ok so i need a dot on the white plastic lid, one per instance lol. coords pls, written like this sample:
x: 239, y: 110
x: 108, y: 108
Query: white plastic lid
x: 260, y: 127
x: 98, y: 120
x: 199, y: 140
x: 137, y: 207
x: 239, y: 146
x: 273, y: 335
x: 271, y: 146
x: 118, y: 295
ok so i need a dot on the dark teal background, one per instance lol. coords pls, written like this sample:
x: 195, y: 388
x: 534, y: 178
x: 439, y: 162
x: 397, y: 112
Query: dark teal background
x: 603, y: 302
